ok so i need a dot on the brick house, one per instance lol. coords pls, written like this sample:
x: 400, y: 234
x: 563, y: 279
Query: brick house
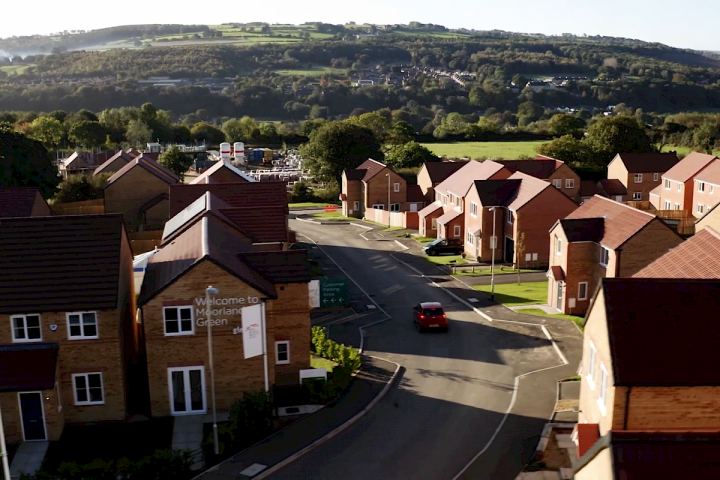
x: 444, y: 217
x: 677, y: 188
x: 114, y: 163
x: 706, y: 189
x: 553, y: 171
x: 643, y: 341
x: 711, y: 218
x: 640, y: 172
x: 174, y: 312
x: 523, y: 204
x: 602, y: 238
x: 372, y: 185
x: 22, y: 202
x: 237, y: 195
x: 696, y: 257
x: 223, y: 172
x: 433, y: 174
x: 139, y: 191
x: 70, y: 338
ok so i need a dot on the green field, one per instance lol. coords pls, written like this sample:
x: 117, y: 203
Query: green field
x: 504, y: 150
x: 14, y: 69
x: 683, y: 151
x: 315, y: 71
x: 512, y: 295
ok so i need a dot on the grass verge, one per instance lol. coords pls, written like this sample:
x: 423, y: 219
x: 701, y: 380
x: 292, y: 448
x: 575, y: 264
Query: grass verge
x: 513, y: 295
x: 333, y: 216
x: 542, y: 313
x: 310, y: 204
x: 319, y: 362
x: 445, y: 259
x: 424, y: 240
x: 486, y: 271
x: 393, y: 229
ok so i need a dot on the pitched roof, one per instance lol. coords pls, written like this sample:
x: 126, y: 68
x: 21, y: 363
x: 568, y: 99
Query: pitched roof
x: 355, y: 174
x: 76, y: 160
x: 659, y: 331
x: 205, y: 204
x: 211, y: 239
x: 245, y: 194
x: 460, y: 182
x: 121, y: 156
x: 530, y: 187
x: 710, y: 174
x: 261, y: 224
x: 28, y: 367
x: 620, y: 221
x: 496, y: 192
x: 206, y: 176
x: 20, y: 201
x: 290, y: 266
x: 613, y: 186
x: 429, y: 209
x: 557, y: 273
x: 541, y: 169
x: 414, y: 194
x: 696, y: 257
x: 60, y: 263
x: 688, y: 167
x: 647, y: 162
x: 439, y: 171
x: 588, y: 188
x: 451, y: 214
x: 371, y: 167
x: 148, y: 165
x: 656, y: 191
x: 583, y: 229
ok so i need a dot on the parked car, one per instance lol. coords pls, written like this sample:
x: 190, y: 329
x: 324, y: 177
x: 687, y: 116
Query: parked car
x: 429, y: 315
x: 440, y: 246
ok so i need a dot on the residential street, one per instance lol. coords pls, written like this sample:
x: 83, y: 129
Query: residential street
x: 454, y: 389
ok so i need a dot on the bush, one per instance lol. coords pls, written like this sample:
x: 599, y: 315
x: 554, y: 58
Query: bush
x: 252, y: 418
x: 77, y: 188
x: 347, y: 357
x: 301, y: 192
x: 329, y: 194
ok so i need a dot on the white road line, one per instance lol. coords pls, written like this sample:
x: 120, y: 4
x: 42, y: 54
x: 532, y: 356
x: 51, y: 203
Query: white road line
x: 401, y: 245
x: 361, y: 226
x: 555, y: 345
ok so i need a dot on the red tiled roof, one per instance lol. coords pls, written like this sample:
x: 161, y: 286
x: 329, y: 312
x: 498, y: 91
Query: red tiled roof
x: 613, y: 186
x: 557, y: 273
x: 206, y: 176
x: 290, y: 266
x: 587, y: 435
x: 120, y: 155
x: 20, y: 201
x: 246, y: 194
x: 371, y: 167
x: 541, y: 169
x: 530, y: 187
x: 261, y: 224
x: 689, y: 166
x: 621, y: 222
x: 660, y: 330
x: 415, y: 194
x: 354, y: 174
x: 496, y: 193
x: 588, y: 188
x: 439, y: 171
x: 433, y: 207
x: 647, y: 162
x: 460, y: 182
x: 60, y: 263
x: 710, y: 174
x: 448, y: 216
x: 583, y: 229
x: 28, y: 367
x: 697, y: 257
x: 149, y: 165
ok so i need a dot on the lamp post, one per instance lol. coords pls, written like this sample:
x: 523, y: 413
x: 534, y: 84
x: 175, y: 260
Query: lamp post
x: 212, y: 291
x: 493, y: 245
x: 388, y: 175
x: 3, y: 451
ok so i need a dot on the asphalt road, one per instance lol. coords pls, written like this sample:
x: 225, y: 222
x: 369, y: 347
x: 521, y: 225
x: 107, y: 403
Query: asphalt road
x: 454, y: 389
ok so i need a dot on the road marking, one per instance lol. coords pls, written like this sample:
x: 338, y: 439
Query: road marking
x: 555, y: 345
x: 473, y: 300
x: 401, y: 245
x: 359, y: 225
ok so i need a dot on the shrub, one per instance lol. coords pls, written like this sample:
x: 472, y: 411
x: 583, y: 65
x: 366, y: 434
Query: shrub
x: 77, y: 188
x: 301, y: 192
x: 343, y: 355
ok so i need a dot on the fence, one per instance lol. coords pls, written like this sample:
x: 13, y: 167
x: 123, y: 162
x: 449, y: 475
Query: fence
x: 141, y: 242
x: 86, y: 207
x: 396, y: 219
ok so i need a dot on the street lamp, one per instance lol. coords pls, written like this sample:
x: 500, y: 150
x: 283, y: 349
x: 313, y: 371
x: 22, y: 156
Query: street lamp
x: 388, y: 175
x: 3, y: 451
x: 493, y: 245
x: 212, y: 291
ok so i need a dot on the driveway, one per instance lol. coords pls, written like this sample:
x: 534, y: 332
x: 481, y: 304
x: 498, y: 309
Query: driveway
x: 459, y: 393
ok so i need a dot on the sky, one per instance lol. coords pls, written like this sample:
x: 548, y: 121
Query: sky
x: 677, y: 24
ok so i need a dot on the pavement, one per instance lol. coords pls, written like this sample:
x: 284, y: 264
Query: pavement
x: 260, y: 460
x: 28, y: 459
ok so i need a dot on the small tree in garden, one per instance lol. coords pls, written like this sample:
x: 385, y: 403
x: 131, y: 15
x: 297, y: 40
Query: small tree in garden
x: 519, y: 252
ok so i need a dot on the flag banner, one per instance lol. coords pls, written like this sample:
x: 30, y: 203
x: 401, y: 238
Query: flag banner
x: 252, y: 330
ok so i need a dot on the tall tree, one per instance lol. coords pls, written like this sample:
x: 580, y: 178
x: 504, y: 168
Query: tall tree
x: 25, y: 162
x: 565, y: 124
x: 612, y: 135
x: 208, y: 133
x: 176, y: 161
x: 138, y: 133
x: 409, y: 155
x: 87, y: 134
x: 47, y: 130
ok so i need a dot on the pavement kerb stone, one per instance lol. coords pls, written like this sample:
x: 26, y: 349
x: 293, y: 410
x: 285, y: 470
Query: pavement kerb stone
x: 338, y: 430
x: 361, y: 226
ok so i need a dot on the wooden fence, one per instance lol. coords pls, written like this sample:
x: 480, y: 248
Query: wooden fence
x: 86, y: 207
x: 144, y: 241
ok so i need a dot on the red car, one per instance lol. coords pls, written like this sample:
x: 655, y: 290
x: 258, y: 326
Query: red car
x: 429, y: 315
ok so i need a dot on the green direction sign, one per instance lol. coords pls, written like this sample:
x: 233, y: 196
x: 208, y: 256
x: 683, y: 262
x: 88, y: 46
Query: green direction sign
x: 333, y: 292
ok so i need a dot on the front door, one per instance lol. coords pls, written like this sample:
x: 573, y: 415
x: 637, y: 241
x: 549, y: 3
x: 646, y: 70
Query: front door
x: 33, y: 421
x: 559, y: 304
x: 187, y: 390
x: 509, y: 249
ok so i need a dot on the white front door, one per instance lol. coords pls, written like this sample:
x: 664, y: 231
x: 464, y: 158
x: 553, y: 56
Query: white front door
x: 559, y: 292
x: 187, y: 390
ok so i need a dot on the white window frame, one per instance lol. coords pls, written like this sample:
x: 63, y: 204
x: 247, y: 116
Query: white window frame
x: 677, y: 206
x: 396, y: 187
x: 356, y: 205
x: 473, y: 209
x: 510, y: 217
x: 569, y: 183
x: 700, y: 208
x: 701, y: 186
x: 25, y: 327
x: 378, y: 206
x: 87, y: 387
x: 203, y: 387
x: 590, y: 377
x: 679, y: 186
x: 602, y: 389
x: 558, y: 246
x: 637, y: 196
x: 582, y: 295
x: 394, y: 207
x: 668, y: 204
x: 445, y: 199
x: 557, y: 183
x: 604, y: 252
x: 277, y: 353
x: 456, y: 231
x: 470, y: 238
x: 656, y: 177
x: 82, y: 335
x: 638, y: 178
x: 712, y: 189
x: 181, y: 332
x: 668, y: 184
x: 433, y: 224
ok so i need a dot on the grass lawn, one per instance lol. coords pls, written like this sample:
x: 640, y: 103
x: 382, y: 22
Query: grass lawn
x: 513, y: 295
x: 319, y: 362
x: 333, y: 216
x: 684, y: 150
x: 424, y: 240
x: 445, y: 259
x: 542, y: 313
x: 393, y: 229
x: 18, y: 69
x: 506, y: 150
x: 312, y: 72
x: 310, y: 204
x: 486, y: 271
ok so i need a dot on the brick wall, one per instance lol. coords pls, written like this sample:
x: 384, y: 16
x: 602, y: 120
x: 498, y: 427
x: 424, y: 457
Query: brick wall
x: 711, y: 220
x: 377, y: 190
x: 661, y: 408
x: 644, y: 187
x: 683, y: 197
x: 646, y: 246
x: 352, y: 192
x: 127, y: 194
x: 705, y: 198
x: 426, y: 224
x: 426, y: 186
x: 563, y: 173
x: 12, y: 419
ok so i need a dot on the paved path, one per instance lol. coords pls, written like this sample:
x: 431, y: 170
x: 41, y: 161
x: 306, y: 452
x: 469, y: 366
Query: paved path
x: 28, y: 459
x: 460, y: 393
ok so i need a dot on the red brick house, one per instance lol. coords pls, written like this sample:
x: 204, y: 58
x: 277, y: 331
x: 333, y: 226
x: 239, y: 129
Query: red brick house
x: 640, y: 173
x: 521, y: 203
x: 696, y: 257
x: 22, y: 202
x: 678, y: 183
x: 237, y: 195
x: 114, y: 163
x: 70, y: 337
x: 602, y: 238
x: 433, y: 174
x: 553, y: 171
x: 444, y: 217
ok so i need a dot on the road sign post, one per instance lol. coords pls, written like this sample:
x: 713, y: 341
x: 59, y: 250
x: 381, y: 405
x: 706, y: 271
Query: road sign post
x: 334, y: 292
